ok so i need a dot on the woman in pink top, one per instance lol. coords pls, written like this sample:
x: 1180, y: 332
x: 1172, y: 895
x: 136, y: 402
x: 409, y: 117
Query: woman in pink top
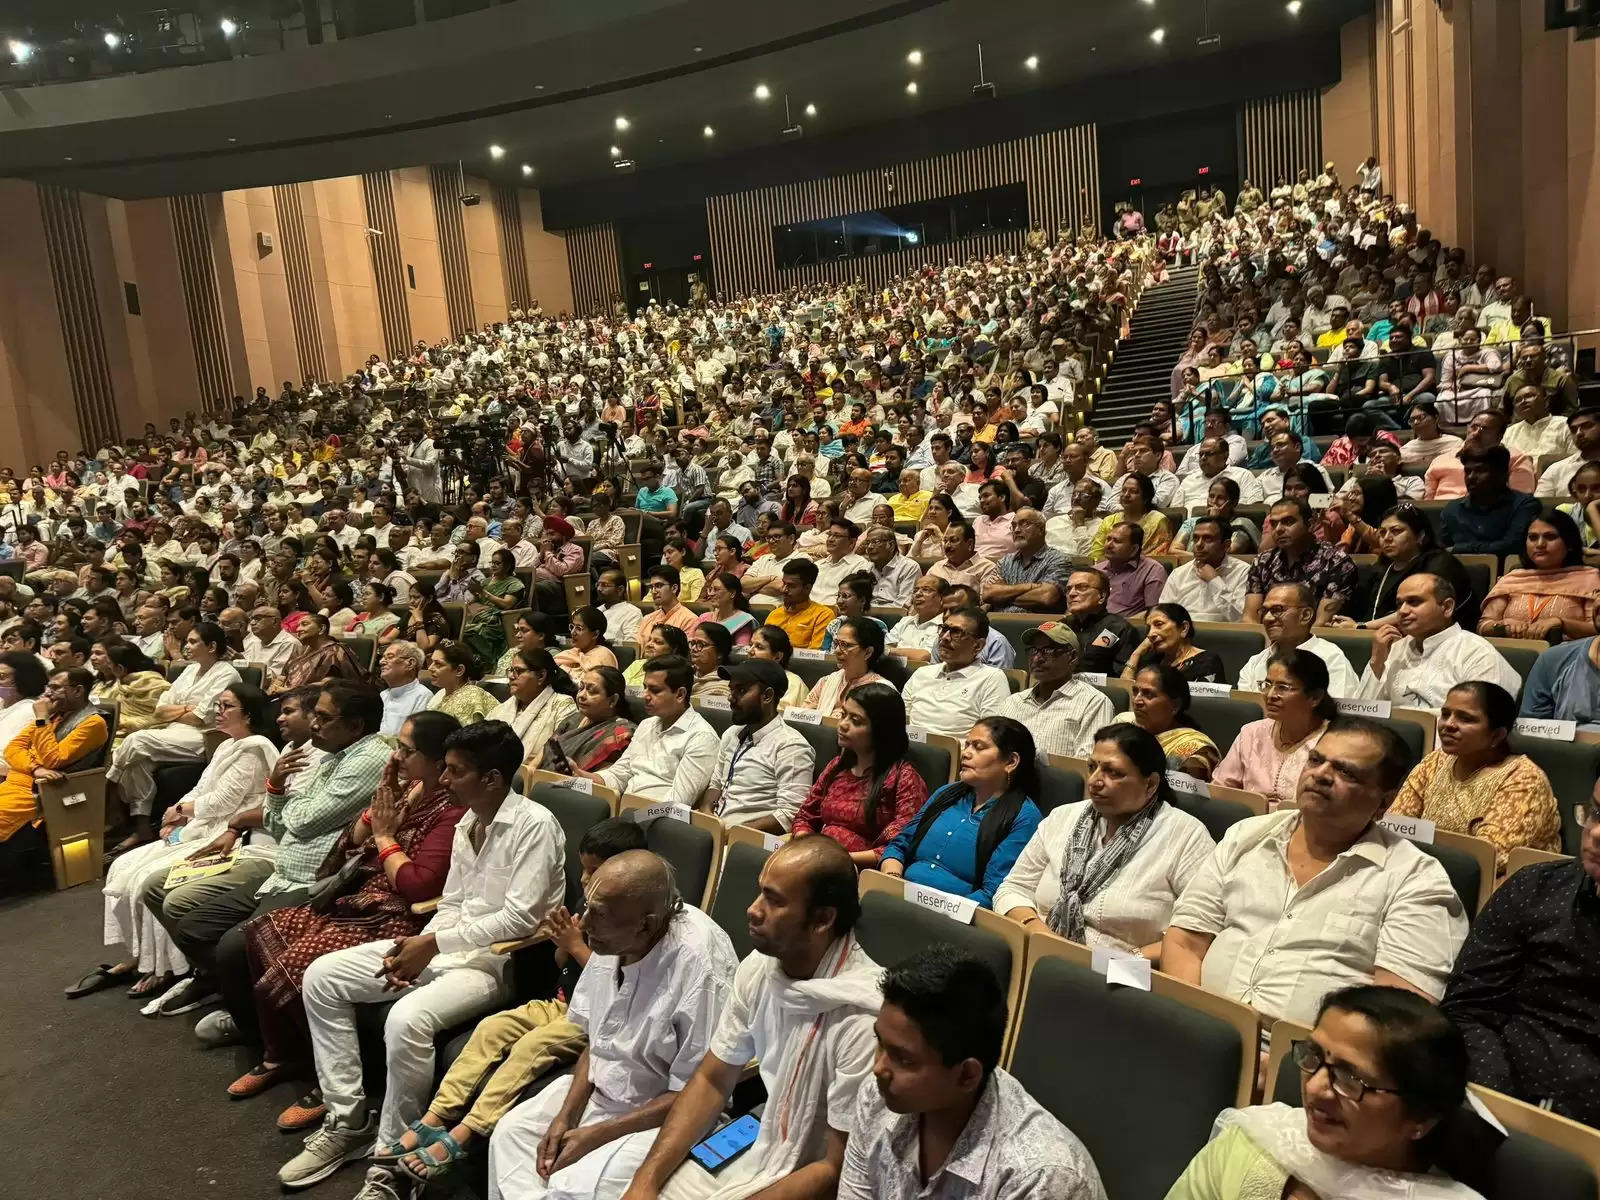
x: 1268, y: 755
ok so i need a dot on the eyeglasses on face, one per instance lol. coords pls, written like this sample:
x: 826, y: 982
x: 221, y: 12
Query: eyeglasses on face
x: 1308, y: 1056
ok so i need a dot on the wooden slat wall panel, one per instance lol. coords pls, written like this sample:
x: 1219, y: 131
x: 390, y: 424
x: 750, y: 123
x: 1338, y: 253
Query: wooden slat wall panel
x: 190, y: 227
x: 93, y: 395
x: 594, y: 257
x: 297, y: 276
x: 508, y: 223
x: 1281, y: 136
x: 1060, y: 168
x: 388, y: 271
x: 445, y: 183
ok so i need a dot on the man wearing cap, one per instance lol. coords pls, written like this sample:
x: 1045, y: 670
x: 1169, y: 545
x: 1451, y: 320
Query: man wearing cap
x: 764, y: 765
x: 1061, y: 711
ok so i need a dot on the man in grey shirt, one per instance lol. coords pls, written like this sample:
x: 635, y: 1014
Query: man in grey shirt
x: 943, y: 1107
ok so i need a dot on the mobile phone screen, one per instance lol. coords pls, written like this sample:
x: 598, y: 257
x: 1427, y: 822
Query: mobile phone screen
x: 725, y: 1145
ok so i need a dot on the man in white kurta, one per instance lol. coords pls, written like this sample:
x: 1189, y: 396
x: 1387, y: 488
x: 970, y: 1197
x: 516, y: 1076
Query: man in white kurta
x: 1418, y: 659
x: 647, y: 1002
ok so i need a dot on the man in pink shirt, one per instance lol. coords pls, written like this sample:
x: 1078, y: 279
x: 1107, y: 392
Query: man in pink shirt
x: 1446, y: 479
x: 991, y: 529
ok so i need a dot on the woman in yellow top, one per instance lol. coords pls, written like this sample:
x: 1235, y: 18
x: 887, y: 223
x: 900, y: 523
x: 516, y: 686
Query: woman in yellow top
x: 691, y: 579
x: 1473, y: 784
x: 129, y: 680
x: 1138, y: 507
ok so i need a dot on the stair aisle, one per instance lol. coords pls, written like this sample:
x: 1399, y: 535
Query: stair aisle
x: 1142, y: 371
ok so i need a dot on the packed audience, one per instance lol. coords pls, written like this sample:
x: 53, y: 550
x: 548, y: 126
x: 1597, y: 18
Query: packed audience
x: 325, y: 643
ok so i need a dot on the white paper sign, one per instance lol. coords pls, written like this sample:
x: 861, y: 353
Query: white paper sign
x: 957, y: 908
x: 810, y: 655
x: 717, y: 702
x: 636, y: 693
x: 1557, y: 731
x: 586, y: 786
x: 1182, y: 781
x: 1363, y: 708
x: 1221, y: 690
x: 804, y: 716
x: 1415, y: 828
x: 673, y: 812
x: 1482, y: 1109
x: 75, y: 798
x: 1093, y: 678
x: 916, y: 734
x: 771, y: 841
x: 1129, y: 972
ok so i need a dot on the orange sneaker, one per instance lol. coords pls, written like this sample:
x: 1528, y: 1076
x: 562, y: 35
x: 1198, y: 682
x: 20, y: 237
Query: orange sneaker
x: 303, y: 1113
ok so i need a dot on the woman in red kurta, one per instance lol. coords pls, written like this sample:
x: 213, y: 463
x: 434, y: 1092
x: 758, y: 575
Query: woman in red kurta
x: 404, y: 842
x: 867, y: 795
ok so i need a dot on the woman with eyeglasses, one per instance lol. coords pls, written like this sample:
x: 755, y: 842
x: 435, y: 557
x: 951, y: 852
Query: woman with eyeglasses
x: 1107, y: 870
x: 485, y: 632
x: 727, y: 558
x: 771, y: 643
x: 1170, y: 639
x: 589, y: 648
x: 867, y: 795
x: 660, y: 640
x: 1474, y: 784
x: 1383, y: 1081
x: 1268, y: 755
x: 598, y: 732
x: 531, y: 631
x: 452, y: 668
x: 858, y: 647
x: 725, y: 594
x: 395, y: 854
x: 1407, y: 546
x: 968, y: 836
x: 1160, y: 705
x: 852, y: 600
x: 1554, y: 595
x: 710, y: 646
x: 541, y: 698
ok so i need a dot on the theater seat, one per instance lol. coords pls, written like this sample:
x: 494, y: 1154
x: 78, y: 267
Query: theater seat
x: 1058, y: 785
x: 1235, y: 642
x: 1469, y: 862
x: 743, y: 856
x: 1572, y: 768
x: 693, y: 847
x: 1221, y: 718
x: 1095, y: 1054
x: 1218, y: 815
x: 577, y: 813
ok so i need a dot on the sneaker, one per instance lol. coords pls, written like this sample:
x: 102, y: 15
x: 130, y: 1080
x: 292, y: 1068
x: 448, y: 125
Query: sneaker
x: 388, y: 1183
x: 328, y: 1149
x: 189, y: 993
x: 303, y: 1113
x: 217, y: 1029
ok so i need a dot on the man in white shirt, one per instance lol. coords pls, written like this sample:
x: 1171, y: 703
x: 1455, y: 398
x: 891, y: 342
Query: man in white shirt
x: 802, y: 1007
x: 1144, y: 458
x: 1060, y: 710
x: 269, y: 645
x: 764, y: 765
x: 1215, y: 426
x: 1214, y: 464
x: 841, y: 560
x: 1287, y: 450
x: 648, y: 1001
x: 720, y: 523
x: 1423, y: 653
x: 1303, y: 901
x: 150, y: 631
x: 1556, y: 480
x: 763, y: 580
x: 403, y: 693
x: 523, y: 551
x: 1212, y: 584
x: 916, y: 635
x: 894, y: 576
x: 622, y: 616
x: 673, y: 749
x: 1287, y: 612
x: 507, y: 875
x: 343, y: 534
x: 858, y: 503
x: 951, y: 695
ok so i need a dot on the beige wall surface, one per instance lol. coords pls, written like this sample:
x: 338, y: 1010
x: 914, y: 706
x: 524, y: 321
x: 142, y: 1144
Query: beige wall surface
x: 419, y: 250
x: 1349, y: 107
x: 36, y: 406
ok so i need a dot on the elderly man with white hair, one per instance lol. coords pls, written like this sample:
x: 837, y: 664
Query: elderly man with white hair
x: 403, y: 693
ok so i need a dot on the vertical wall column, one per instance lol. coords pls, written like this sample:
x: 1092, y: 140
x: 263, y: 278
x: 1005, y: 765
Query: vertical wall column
x: 82, y: 335
x: 594, y: 257
x: 1281, y: 136
x: 297, y: 274
x: 444, y: 182
x: 508, y: 223
x: 383, y: 244
x: 213, y: 369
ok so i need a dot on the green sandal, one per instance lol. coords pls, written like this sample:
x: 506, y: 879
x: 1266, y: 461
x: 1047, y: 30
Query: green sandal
x: 426, y: 1136
x: 425, y: 1168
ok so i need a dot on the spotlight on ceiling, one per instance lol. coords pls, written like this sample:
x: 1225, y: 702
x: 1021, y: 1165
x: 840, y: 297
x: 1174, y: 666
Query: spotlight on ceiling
x: 915, y: 58
x: 911, y: 238
x: 621, y: 123
x: 228, y: 27
x: 763, y: 92
x: 708, y: 132
x: 526, y: 170
x: 497, y: 151
x: 911, y: 88
x: 811, y: 110
x: 1294, y: 8
x: 1031, y: 62
x: 112, y: 40
x: 1158, y: 35
x: 20, y: 51
x: 616, y: 152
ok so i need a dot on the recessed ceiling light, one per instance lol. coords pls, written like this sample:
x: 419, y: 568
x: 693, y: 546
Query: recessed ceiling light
x: 699, y: 49
x: 232, y: 140
x: 911, y: 88
x: 616, y: 152
x: 1158, y: 35
x: 763, y: 92
x: 526, y: 169
x: 228, y: 27
x: 20, y: 51
x: 621, y: 123
x: 497, y: 151
x: 1294, y: 8
x: 538, y: 87
x: 1031, y: 62
x: 811, y: 110
x: 708, y: 132
x: 915, y: 58
x: 112, y: 40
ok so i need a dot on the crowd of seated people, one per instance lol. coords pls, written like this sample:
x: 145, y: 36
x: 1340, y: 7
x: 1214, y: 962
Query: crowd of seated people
x: 895, y: 482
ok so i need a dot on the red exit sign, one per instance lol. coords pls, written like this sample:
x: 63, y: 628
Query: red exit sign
x: 1135, y: 182
x: 1203, y: 171
x: 698, y: 257
x: 647, y: 266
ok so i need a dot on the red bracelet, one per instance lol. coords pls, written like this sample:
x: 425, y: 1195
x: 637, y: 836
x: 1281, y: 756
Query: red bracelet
x: 387, y: 851
x: 273, y: 791
x: 366, y: 815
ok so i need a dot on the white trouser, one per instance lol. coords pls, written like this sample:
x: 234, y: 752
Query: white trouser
x: 603, y: 1173
x: 130, y: 923
x: 335, y: 983
x: 133, y: 765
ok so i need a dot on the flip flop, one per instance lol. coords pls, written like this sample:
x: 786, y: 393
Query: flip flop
x: 147, y: 986
x: 97, y: 980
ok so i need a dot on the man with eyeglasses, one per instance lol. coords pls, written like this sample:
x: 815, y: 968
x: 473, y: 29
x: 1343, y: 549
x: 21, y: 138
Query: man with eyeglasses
x: 1286, y: 618
x: 1106, y: 639
x: 841, y: 560
x: 1061, y: 711
x: 949, y: 696
x: 1305, y: 900
x: 403, y: 693
x: 665, y: 586
x: 894, y: 576
x: 1033, y: 576
x: 763, y: 579
x: 915, y: 637
x: 1527, y: 968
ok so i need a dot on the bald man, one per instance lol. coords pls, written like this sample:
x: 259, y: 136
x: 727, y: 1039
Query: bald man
x: 648, y: 1002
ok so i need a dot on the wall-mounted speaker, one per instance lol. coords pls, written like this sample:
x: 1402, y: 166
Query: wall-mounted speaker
x: 264, y: 242
x: 130, y: 294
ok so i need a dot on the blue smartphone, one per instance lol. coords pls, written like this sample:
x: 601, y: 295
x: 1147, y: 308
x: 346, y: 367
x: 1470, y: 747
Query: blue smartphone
x: 726, y: 1144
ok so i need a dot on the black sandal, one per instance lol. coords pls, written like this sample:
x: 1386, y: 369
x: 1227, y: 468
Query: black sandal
x: 98, y: 980
x: 149, y: 985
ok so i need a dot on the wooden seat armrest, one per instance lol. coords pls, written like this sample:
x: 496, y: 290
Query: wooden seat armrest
x: 424, y: 907
x: 515, y: 944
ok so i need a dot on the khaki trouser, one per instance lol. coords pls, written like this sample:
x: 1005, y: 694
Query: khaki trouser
x: 506, y: 1053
